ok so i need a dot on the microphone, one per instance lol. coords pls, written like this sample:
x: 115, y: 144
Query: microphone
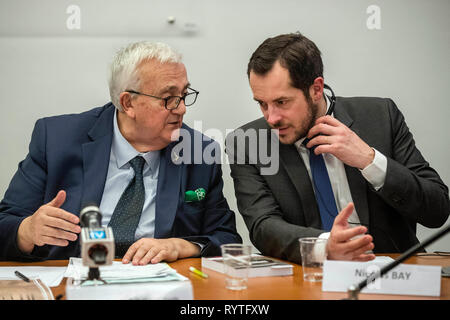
x: 354, y: 290
x: 97, y: 242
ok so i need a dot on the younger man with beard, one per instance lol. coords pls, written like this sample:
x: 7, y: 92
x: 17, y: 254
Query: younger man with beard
x: 358, y: 179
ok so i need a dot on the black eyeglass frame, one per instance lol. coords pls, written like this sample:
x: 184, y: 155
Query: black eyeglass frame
x: 166, y: 99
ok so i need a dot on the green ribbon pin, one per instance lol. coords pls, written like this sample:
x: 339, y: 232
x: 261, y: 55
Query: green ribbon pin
x: 193, y: 196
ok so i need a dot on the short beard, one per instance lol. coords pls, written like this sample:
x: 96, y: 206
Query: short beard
x: 307, y: 123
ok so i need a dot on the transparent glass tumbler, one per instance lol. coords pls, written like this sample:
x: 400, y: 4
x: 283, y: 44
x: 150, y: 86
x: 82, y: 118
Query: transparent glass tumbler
x: 236, y: 260
x: 313, y: 253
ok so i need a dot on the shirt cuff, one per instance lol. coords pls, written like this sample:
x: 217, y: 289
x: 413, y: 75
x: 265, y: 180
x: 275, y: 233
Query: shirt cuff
x: 375, y: 173
x: 324, y: 235
x: 201, y: 248
x: 320, y: 250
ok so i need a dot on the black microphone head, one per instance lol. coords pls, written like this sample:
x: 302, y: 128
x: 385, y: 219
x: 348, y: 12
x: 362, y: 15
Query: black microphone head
x: 98, y: 253
x: 90, y: 216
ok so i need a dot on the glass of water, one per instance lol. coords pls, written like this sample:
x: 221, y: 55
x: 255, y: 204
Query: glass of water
x: 313, y: 253
x: 236, y: 260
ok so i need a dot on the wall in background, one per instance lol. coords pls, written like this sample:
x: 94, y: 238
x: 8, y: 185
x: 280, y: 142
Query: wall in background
x: 54, y: 57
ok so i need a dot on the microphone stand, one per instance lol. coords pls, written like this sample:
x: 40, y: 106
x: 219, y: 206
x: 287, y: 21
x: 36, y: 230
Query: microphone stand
x: 354, y: 290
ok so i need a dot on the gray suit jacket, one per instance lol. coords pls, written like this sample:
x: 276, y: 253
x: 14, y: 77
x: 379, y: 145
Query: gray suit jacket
x: 281, y: 208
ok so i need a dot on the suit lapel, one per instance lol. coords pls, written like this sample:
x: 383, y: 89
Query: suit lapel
x: 358, y: 189
x: 168, y: 192
x: 96, y: 157
x: 356, y: 182
x: 296, y: 170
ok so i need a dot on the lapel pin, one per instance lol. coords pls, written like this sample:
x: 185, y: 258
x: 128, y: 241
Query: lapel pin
x: 194, y: 196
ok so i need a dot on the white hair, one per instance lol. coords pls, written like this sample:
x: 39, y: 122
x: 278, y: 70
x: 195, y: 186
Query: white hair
x: 123, y: 69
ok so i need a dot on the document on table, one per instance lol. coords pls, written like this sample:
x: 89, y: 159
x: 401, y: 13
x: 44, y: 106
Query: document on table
x: 124, y: 273
x: 51, y: 276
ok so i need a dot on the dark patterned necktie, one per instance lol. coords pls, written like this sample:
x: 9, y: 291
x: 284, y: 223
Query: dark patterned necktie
x: 323, y: 191
x: 127, y: 213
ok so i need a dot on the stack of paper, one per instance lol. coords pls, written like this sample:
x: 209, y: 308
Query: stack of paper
x: 123, y: 273
x: 126, y: 281
x: 261, y: 266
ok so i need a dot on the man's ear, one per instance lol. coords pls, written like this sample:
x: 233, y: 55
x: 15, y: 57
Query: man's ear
x: 126, y: 100
x: 316, y: 90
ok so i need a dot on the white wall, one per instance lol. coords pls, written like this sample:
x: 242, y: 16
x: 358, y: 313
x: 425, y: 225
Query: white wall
x: 48, y: 69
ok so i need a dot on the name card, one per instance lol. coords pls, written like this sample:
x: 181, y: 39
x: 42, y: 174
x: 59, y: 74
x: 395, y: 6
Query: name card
x: 405, y: 279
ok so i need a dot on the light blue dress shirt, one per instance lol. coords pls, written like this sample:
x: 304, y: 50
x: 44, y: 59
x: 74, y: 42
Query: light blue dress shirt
x: 120, y: 173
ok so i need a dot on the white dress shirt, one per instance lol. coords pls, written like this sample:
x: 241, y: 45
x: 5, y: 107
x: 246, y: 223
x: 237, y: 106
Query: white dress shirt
x: 374, y: 173
x: 120, y: 174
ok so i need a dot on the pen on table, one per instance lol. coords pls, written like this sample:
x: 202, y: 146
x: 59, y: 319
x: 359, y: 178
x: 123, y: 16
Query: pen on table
x: 198, y: 272
x: 22, y: 276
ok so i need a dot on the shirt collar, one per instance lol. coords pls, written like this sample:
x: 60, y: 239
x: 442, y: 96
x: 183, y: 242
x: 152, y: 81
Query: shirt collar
x: 299, y: 143
x: 124, y: 151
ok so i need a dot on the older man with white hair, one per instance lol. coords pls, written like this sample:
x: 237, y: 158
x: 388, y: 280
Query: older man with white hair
x: 120, y: 156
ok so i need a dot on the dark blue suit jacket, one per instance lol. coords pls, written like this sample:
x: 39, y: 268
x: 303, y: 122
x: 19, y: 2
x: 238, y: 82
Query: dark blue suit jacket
x: 71, y: 153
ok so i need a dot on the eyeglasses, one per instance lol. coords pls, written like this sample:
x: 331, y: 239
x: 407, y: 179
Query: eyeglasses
x: 172, y: 102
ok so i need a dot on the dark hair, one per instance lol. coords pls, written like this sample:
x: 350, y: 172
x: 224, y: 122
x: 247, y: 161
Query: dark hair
x: 294, y: 52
